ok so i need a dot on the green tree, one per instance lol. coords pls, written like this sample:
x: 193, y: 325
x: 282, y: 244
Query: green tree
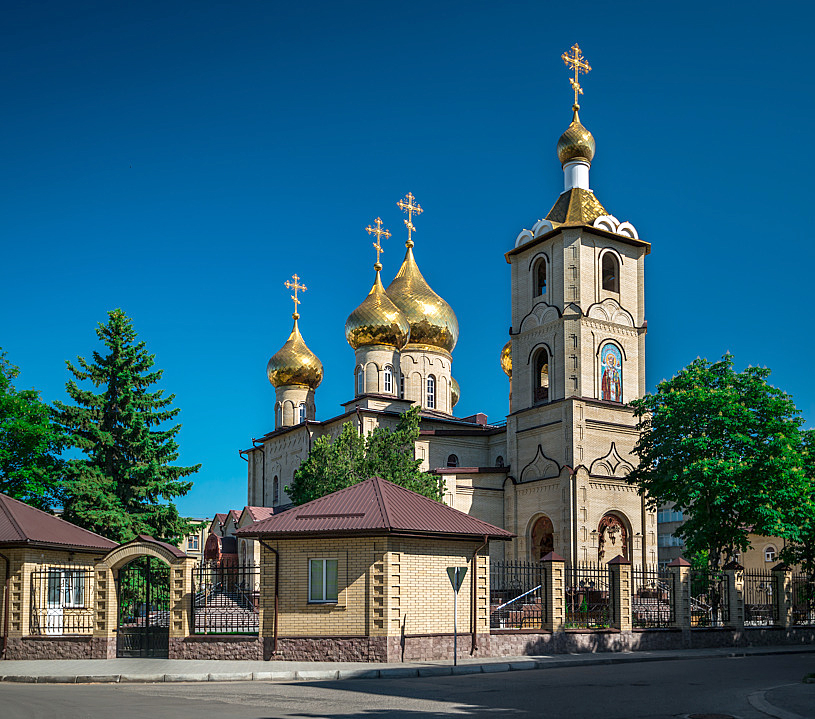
x: 725, y: 448
x: 352, y: 458
x: 30, y: 443
x: 801, y: 549
x: 125, y: 485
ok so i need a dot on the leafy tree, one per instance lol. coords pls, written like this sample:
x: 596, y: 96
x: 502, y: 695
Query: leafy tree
x: 724, y: 447
x: 352, y: 458
x: 125, y: 484
x: 801, y: 549
x: 29, y: 443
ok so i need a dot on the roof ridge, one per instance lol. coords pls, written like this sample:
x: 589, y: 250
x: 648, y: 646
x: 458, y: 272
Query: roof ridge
x: 380, y: 497
x: 11, y: 518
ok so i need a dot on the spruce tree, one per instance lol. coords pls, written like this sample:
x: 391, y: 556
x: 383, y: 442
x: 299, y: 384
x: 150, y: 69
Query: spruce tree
x: 126, y: 483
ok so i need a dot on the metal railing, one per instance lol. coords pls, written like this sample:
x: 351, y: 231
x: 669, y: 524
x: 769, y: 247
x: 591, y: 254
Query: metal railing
x: 62, y: 600
x: 588, y: 596
x: 709, y: 599
x: 226, y: 599
x: 803, y: 599
x: 652, y: 598
x: 759, y: 593
x: 516, y: 595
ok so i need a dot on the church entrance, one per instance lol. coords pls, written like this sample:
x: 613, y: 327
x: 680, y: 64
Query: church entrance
x: 543, y: 539
x: 143, y: 598
x: 614, y: 539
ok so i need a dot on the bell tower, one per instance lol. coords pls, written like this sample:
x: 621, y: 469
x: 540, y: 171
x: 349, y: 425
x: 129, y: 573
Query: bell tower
x: 576, y: 357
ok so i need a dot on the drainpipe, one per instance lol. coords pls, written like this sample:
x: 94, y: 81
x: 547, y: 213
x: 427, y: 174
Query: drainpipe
x: 6, y: 605
x: 276, y: 595
x: 474, y: 613
x: 263, y: 469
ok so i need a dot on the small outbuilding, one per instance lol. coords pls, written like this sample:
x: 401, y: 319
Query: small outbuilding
x: 361, y: 575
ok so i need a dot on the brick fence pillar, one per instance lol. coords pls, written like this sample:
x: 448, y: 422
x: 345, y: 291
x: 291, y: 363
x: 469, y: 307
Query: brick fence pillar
x: 554, y: 593
x: 734, y: 576
x: 181, y: 598
x: 782, y: 595
x: 619, y: 570
x: 680, y: 596
x: 105, y: 611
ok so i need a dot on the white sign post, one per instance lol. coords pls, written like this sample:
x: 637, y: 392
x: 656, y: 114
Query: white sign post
x: 456, y: 575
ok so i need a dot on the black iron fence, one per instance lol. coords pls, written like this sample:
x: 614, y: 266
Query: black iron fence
x: 516, y: 595
x: 62, y: 600
x: 759, y: 593
x: 652, y: 597
x: 588, y: 596
x: 709, y: 598
x: 226, y: 599
x: 803, y: 599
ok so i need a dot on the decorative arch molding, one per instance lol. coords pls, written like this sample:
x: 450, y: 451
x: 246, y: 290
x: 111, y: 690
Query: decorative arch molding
x: 143, y: 546
x: 609, y: 223
x: 523, y: 236
x: 539, y: 346
x: 541, y: 534
x: 542, y: 227
x: 610, y: 340
x: 614, y: 536
x: 541, y: 467
x: 612, y: 465
x: 609, y: 310
x: 536, y: 258
x: 541, y: 314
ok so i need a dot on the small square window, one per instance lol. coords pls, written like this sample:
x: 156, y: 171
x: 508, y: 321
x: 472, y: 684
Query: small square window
x: 322, y: 580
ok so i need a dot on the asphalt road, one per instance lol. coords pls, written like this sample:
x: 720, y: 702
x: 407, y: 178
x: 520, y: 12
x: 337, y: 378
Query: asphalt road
x: 654, y: 690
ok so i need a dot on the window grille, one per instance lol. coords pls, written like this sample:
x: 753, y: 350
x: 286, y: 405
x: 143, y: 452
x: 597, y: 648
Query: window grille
x: 62, y: 600
x: 302, y: 412
x: 388, y: 383
x: 431, y: 392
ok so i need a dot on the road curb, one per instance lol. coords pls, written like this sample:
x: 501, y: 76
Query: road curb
x: 407, y: 672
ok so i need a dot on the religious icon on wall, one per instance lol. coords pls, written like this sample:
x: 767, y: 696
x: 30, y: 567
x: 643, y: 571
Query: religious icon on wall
x: 611, y: 364
x: 613, y: 538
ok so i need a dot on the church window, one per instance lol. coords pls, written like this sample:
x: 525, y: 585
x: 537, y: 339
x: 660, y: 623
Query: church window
x: 452, y: 461
x: 499, y: 461
x: 301, y: 412
x: 431, y: 392
x: 388, y: 379
x: 278, y: 414
x: 275, y: 490
x: 360, y: 381
x: 769, y: 553
x: 611, y: 373
x: 540, y: 277
x: 541, y: 379
x: 401, y: 386
x: 543, y: 539
x: 611, y: 273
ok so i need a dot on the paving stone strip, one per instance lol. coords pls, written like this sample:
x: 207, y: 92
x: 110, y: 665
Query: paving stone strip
x: 180, y: 670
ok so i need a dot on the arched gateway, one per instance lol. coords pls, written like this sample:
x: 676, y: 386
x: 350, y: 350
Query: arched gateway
x: 144, y: 598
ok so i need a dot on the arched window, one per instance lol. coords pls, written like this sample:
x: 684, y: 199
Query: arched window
x: 611, y: 273
x: 388, y: 379
x: 401, y: 386
x: 301, y: 413
x: 431, y: 392
x: 278, y: 414
x: 611, y: 373
x: 769, y: 553
x: 541, y: 378
x: 452, y: 461
x: 543, y: 539
x: 540, y: 277
x: 360, y: 381
x: 499, y: 461
x: 275, y: 490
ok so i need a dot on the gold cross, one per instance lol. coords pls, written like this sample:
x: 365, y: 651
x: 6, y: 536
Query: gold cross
x: 412, y: 209
x: 579, y: 64
x: 380, y: 233
x: 295, y: 286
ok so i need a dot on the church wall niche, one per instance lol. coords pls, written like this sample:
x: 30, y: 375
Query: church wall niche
x: 614, y: 537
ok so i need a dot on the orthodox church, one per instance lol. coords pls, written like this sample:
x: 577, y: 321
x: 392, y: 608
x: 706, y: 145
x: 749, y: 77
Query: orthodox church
x: 554, y: 472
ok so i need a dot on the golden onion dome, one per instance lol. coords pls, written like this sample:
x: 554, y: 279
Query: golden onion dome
x: 377, y: 321
x: 432, y: 321
x: 455, y: 392
x: 294, y: 363
x: 577, y: 143
x: 506, y: 359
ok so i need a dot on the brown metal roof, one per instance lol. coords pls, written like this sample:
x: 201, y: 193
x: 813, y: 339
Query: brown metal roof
x: 258, y: 513
x: 374, y: 506
x: 22, y: 524
x: 175, y: 551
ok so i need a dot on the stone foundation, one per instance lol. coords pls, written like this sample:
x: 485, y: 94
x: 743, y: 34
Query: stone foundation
x: 39, y: 647
x: 214, y: 646
x: 429, y: 647
x: 328, y: 649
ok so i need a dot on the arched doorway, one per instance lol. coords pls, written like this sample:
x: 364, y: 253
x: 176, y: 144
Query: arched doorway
x: 542, y: 540
x: 143, y: 603
x: 614, y: 539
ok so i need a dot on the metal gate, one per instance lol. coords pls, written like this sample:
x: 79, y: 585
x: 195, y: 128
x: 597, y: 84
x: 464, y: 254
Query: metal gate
x: 143, y: 592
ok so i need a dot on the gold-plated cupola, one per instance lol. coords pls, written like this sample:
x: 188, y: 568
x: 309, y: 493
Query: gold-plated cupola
x: 577, y: 143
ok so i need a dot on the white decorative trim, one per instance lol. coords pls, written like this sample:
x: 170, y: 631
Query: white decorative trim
x: 523, y: 236
x: 542, y: 467
x: 612, y: 465
x: 541, y: 227
x: 609, y: 223
x: 609, y: 310
x: 541, y: 314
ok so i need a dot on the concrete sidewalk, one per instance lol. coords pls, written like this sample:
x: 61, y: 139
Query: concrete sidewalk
x: 82, y: 671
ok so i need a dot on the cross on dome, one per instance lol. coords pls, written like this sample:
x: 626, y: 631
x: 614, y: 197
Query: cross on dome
x: 579, y: 64
x: 295, y: 286
x: 380, y: 233
x: 412, y: 209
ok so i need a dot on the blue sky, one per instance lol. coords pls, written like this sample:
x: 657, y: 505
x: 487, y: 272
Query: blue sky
x: 182, y: 160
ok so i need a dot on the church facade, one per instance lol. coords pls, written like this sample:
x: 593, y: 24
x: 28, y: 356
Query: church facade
x: 554, y: 474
